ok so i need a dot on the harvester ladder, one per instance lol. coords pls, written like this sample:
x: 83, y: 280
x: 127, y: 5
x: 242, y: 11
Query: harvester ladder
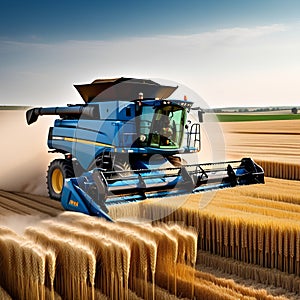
x: 194, y: 136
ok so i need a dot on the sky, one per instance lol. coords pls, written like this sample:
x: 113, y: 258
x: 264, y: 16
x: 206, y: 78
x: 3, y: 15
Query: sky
x: 231, y: 53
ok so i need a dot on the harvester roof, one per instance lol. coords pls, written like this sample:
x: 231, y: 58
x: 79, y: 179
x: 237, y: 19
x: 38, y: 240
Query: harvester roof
x: 123, y: 89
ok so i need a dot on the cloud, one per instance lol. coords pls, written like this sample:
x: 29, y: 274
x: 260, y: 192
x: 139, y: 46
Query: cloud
x: 44, y: 73
x: 73, y: 47
x: 227, y: 35
x: 242, y: 34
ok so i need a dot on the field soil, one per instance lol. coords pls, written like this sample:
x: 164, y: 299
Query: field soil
x: 270, y: 140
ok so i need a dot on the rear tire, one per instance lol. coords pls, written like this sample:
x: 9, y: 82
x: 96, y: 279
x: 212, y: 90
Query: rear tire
x: 58, y: 171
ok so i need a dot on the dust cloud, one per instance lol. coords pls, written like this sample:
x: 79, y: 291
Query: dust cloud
x: 19, y: 223
x: 24, y: 156
x: 24, y: 153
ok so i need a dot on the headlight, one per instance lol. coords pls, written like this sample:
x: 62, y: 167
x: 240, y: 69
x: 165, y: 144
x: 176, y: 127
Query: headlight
x: 142, y: 138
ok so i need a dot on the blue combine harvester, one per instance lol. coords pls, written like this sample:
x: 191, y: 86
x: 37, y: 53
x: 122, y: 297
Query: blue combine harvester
x: 123, y: 144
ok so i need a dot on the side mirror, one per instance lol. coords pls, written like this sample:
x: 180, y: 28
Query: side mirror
x: 186, y: 126
x: 200, y: 116
x: 200, y: 113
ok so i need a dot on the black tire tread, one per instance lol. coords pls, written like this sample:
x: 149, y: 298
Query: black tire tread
x: 122, y: 166
x: 66, y: 167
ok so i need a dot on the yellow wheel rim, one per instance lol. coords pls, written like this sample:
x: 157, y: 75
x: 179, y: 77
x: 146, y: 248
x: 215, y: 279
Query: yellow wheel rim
x: 57, y: 181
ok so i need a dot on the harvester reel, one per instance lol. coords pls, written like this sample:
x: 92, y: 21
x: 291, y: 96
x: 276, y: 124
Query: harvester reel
x: 58, y: 170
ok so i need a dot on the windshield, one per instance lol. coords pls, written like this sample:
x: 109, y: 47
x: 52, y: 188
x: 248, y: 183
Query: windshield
x: 162, y: 127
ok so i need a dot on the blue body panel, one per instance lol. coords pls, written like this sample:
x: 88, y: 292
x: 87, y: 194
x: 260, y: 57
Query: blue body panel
x: 115, y: 130
x: 89, y: 138
x: 75, y: 199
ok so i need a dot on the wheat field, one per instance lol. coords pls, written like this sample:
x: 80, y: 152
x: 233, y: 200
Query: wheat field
x: 240, y: 243
x: 80, y: 257
x: 254, y: 226
x: 248, y: 230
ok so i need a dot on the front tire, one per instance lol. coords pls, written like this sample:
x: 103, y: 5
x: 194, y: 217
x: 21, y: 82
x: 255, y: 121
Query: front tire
x: 58, y: 171
x: 122, y: 168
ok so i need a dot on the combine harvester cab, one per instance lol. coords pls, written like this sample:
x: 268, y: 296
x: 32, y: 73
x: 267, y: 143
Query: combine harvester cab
x: 125, y: 144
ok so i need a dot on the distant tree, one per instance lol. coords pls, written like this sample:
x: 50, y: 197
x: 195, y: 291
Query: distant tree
x: 294, y: 110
